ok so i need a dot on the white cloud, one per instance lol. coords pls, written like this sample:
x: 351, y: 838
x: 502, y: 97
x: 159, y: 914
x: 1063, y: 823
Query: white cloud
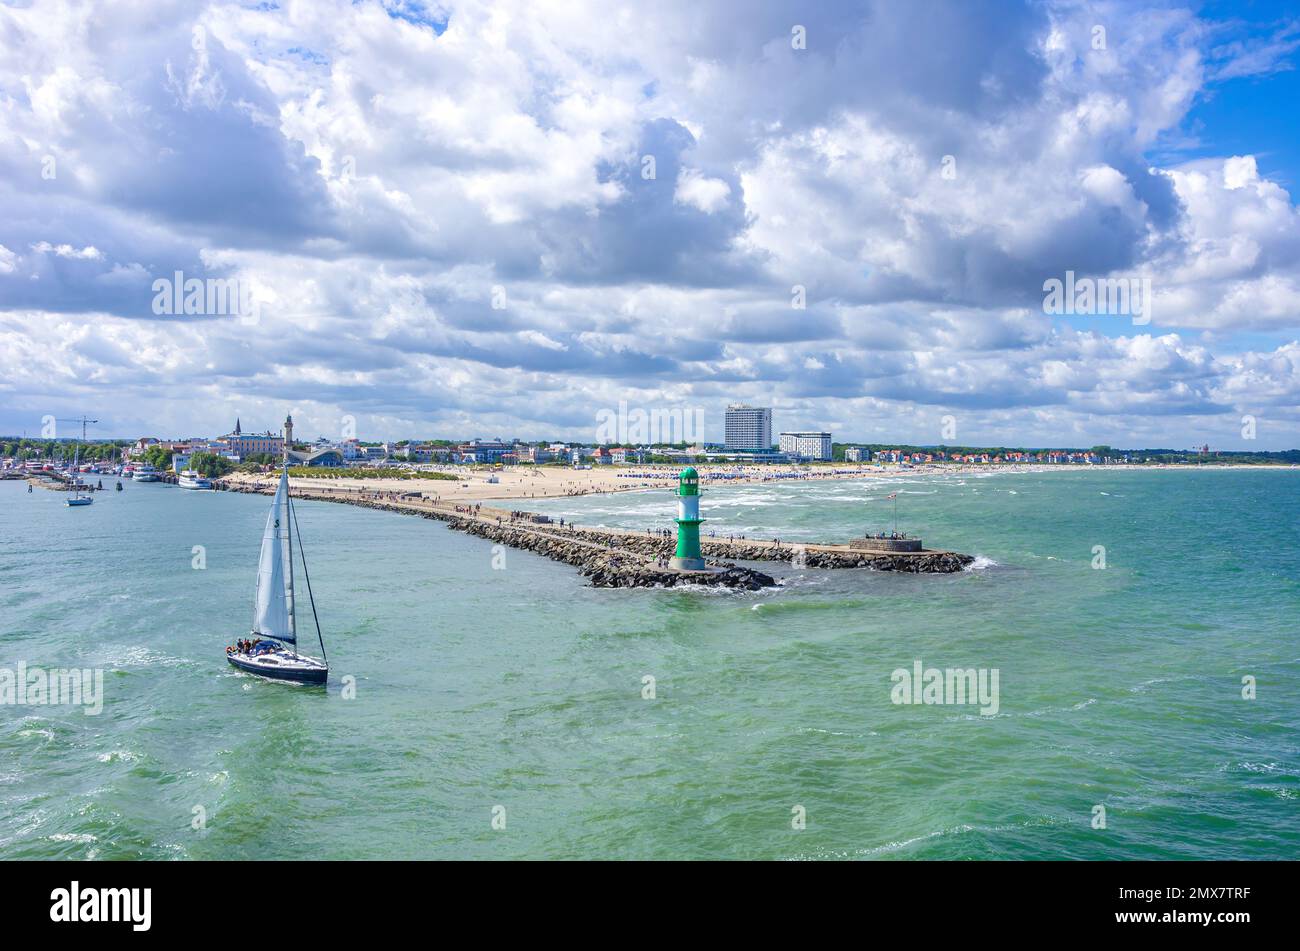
x: 1239, y: 171
x: 706, y: 194
x: 375, y: 180
x: 540, y: 339
x: 88, y: 253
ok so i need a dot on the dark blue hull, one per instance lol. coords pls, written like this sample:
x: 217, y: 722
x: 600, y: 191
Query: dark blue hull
x: 292, y: 674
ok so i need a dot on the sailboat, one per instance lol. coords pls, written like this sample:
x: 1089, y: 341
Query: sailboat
x: 271, y: 648
x: 77, y: 497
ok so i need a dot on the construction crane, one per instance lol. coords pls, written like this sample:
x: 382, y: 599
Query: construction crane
x: 83, y: 420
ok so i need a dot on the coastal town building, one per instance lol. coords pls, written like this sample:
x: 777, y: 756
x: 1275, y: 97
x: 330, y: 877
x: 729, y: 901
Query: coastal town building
x: 242, y: 445
x: 748, y: 427
x: 425, y: 453
x: 814, y: 446
x: 534, y: 454
x: 477, y: 450
x: 857, y: 454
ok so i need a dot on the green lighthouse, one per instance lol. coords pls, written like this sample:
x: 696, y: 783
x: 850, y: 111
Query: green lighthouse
x: 688, y: 556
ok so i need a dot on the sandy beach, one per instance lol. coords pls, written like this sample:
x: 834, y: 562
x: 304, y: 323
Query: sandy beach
x: 520, y: 483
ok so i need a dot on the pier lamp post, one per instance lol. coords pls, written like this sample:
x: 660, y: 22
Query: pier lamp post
x: 688, y: 557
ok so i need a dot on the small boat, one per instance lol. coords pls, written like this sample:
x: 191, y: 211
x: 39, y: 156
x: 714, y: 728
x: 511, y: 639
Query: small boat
x: 77, y: 497
x: 145, y: 473
x: 189, y: 479
x: 271, y: 649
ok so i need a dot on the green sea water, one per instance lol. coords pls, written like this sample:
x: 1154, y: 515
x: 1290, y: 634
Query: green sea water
x: 508, y: 688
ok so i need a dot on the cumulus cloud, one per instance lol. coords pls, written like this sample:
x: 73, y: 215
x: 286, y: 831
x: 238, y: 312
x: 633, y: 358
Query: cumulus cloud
x: 706, y: 194
x: 88, y: 253
x: 677, y: 206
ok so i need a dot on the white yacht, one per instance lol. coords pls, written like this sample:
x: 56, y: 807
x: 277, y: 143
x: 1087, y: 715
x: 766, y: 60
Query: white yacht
x: 145, y: 473
x: 189, y: 479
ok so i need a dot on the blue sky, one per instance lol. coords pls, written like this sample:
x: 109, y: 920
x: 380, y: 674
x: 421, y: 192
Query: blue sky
x: 1254, y: 114
x: 445, y: 218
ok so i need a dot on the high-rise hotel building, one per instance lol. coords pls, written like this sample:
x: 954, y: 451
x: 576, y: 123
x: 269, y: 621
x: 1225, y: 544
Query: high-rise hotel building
x: 748, y: 427
x: 807, y: 445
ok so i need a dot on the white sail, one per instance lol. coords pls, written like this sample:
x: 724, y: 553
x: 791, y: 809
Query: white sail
x: 273, y: 608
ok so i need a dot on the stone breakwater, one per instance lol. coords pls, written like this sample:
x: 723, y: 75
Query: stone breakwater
x: 601, y: 559
x: 808, y: 556
x: 608, y: 566
x: 624, y: 559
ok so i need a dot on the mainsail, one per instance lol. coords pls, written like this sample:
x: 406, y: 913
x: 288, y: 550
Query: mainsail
x: 273, y: 607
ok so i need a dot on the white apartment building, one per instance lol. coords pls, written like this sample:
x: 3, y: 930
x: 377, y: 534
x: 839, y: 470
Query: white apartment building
x: 807, y: 445
x: 748, y: 427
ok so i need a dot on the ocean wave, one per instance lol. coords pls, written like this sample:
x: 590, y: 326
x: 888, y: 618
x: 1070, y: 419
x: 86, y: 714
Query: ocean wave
x: 127, y: 656
x: 980, y: 563
x: 817, y: 729
x: 904, y: 843
x: 800, y: 607
x: 1142, y: 687
x: 118, y: 756
x: 83, y: 837
x: 1030, y: 714
x: 702, y: 589
x: 808, y: 578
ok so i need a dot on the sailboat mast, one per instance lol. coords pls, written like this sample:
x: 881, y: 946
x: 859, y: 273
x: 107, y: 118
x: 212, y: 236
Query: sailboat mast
x: 76, y: 477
